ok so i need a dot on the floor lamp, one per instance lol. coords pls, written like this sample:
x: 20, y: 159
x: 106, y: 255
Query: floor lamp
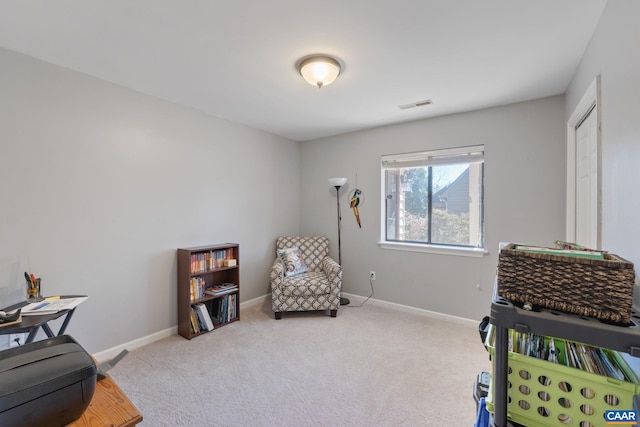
x: 337, y: 183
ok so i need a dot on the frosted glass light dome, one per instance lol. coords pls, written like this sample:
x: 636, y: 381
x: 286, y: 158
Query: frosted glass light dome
x: 319, y: 70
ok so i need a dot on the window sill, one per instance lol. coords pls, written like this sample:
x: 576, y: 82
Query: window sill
x: 435, y: 249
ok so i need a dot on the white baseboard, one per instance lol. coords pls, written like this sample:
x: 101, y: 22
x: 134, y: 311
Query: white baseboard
x: 256, y: 301
x: 357, y: 299
x: 408, y: 309
x: 132, y: 345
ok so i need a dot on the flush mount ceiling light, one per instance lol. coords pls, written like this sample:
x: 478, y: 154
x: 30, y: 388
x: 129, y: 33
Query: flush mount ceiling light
x: 319, y: 70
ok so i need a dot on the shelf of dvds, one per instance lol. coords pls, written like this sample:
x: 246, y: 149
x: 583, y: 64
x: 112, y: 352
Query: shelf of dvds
x: 208, y: 288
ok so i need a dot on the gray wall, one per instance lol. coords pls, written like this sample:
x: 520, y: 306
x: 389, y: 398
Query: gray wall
x: 524, y: 200
x: 614, y: 54
x: 99, y: 185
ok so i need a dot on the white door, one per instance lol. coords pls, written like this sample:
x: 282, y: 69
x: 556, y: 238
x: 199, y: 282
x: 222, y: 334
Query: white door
x: 587, y: 209
x: 583, y: 171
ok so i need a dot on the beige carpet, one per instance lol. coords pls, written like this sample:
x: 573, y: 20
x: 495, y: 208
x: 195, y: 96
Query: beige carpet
x: 370, y: 366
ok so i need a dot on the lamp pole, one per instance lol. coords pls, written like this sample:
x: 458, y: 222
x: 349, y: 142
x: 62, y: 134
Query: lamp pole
x: 339, y: 182
x: 339, y: 221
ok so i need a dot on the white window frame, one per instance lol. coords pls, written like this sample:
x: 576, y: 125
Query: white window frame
x: 428, y: 158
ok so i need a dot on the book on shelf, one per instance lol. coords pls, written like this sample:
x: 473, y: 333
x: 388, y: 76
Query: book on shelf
x: 223, y: 289
x: 200, y: 319
x: 232, y: 307
x: 205, y: 319
x: 195, y: 323
x: 224, y: 309
x: 217, y: 309
x: 196, y: 287
x: 202, y: 262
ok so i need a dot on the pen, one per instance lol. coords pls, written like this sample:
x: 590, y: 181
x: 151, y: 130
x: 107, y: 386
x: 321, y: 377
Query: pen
x: 29, y: 280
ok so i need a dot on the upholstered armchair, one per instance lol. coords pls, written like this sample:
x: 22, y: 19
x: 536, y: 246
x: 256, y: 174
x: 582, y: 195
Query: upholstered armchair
x: 306, y: 278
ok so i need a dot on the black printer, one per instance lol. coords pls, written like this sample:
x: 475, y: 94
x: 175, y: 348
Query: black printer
x: 45, y: 383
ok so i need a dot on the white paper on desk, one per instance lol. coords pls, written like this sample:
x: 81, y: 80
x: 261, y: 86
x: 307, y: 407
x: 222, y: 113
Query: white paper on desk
x: 51, y: 306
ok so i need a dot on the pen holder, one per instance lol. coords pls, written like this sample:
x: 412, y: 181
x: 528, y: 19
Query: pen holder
x: 33, y: 291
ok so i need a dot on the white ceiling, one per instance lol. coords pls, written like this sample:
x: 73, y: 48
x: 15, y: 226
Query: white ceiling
x: 236, y: 58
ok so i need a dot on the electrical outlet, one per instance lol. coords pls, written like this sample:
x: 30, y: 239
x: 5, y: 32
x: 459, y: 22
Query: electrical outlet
x: 372, y: 275
x: 17, y: 339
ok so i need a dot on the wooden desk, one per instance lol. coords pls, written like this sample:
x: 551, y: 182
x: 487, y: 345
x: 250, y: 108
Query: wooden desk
x: 109, y: 407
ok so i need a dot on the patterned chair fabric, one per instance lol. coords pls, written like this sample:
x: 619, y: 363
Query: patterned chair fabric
x: 317, y: 289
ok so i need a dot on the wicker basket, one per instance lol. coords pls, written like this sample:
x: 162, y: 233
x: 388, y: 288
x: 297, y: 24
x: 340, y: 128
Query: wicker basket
x: 588, y: 287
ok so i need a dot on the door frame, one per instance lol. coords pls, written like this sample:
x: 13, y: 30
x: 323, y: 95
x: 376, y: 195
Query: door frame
x: 590, y: 100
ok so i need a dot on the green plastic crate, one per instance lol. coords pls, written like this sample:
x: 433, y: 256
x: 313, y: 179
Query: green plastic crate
x: 541, y: 393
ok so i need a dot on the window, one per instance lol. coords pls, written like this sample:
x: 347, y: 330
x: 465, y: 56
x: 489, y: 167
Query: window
x: 434, y: 197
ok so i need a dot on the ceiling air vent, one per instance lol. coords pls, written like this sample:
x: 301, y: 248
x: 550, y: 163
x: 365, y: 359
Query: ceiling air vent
x: 415, y: 104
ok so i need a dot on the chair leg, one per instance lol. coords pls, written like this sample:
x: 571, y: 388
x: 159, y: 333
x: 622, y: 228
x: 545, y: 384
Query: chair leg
x: 334, y: 313
x: 278, y: 315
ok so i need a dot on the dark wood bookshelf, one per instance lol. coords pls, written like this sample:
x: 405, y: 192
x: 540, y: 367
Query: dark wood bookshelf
x: 208, y: 261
